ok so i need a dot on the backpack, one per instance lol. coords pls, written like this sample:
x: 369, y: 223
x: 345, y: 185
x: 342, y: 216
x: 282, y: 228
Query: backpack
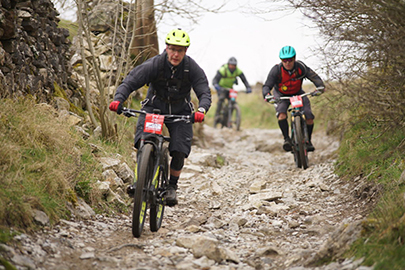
x: 300, y: 65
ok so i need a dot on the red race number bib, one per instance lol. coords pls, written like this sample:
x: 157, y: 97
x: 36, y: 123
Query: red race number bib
x: 296, y: 101
x: 153, y: 123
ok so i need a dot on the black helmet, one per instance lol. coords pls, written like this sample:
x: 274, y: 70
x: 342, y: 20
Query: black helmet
x: 232, y: 61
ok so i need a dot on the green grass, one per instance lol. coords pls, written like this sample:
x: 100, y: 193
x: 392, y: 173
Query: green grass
x: 377, y: 152
x: 371, y: 150
x: 44, y: 164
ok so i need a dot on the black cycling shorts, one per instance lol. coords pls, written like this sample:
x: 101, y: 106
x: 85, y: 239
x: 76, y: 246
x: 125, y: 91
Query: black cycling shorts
x: 181, y: 133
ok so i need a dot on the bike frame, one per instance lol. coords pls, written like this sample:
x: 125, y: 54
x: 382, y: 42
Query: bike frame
x: 233, y: 94
x: 152, y: 147
x: 154, y: 136
x: 157, y: 141
x: 301, y: 159
x: 296, y: 111
x: 229, y: 106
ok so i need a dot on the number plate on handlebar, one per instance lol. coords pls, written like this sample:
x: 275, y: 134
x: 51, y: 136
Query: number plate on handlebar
x: 153, y: 123
x: 233, y: 94
x: 296, y: 101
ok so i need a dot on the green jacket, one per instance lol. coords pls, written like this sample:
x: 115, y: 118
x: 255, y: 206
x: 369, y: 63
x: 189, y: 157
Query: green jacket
x: 225, y: 78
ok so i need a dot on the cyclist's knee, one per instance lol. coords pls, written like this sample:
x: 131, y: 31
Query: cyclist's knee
x: 281, y: 116
x: 177, y: 162
x: 310, y: 121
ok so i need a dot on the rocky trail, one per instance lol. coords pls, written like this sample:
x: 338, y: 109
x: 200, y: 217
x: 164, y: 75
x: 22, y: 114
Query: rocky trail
x: 254, y: 211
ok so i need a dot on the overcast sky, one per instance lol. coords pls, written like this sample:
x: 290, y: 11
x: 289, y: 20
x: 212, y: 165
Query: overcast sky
x: 254, y: 41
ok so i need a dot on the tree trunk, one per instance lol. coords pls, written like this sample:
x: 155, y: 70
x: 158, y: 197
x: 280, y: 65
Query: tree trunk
x: 145, y: 44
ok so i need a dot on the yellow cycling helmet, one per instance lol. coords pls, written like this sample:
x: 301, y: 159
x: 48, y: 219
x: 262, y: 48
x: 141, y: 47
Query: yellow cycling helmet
x: 178, y: 37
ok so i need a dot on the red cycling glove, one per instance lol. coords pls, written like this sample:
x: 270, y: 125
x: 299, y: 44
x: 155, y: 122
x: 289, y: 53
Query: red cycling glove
x: 198, y: 117
x: 116, y: 106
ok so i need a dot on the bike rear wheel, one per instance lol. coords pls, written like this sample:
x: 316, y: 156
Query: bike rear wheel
x: 235, y: 117
x: 145, y: 174
x: 300, y: 152
x: 157, y: 208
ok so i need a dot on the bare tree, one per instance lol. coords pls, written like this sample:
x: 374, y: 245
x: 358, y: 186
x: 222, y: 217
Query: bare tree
x: 364, y: 51
x: 131, y: 39
x: 145, y: 42
x: 91, y: 67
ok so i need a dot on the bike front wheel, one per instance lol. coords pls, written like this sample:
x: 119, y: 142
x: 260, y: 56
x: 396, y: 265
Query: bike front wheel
x: 300, y: 151
x: 145, y: 174
x: 235, y: 117
x: 157, y: 208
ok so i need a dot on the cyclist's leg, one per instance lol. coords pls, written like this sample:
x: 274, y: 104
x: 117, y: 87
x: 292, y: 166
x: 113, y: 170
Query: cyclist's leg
x: 309, y: 116
x: 221, y: 97
x: 181, y: 135
x: 176, y: 165
x: 281, y: 109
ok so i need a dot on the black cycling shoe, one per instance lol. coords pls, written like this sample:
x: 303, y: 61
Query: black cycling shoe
x: 171, y: 196
x: 131, y: 191
x: 287, y: 146
x: 310, y: 147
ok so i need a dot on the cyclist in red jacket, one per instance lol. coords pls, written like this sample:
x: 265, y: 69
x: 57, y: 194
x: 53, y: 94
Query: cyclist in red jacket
x: 287, y: 78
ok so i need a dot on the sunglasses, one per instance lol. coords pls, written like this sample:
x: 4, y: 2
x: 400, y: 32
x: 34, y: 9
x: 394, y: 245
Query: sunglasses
x: 179, y: 51
x: 287, y: 60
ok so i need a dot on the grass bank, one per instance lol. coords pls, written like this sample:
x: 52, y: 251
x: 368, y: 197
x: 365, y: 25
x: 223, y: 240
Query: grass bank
x: 44, y: 164
x: 376, y: 152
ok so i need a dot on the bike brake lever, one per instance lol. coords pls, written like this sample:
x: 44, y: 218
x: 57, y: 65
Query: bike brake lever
x: 128, y: 113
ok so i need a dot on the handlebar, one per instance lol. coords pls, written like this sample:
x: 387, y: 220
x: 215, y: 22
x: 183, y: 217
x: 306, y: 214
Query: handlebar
x: 272, y: 99
x: 169, y: 118
x: 238, y: 91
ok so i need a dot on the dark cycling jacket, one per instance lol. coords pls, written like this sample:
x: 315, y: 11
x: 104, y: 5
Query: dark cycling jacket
x: 289, y: 82
x: 170, y: 84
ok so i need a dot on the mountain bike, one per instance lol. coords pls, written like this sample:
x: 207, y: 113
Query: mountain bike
x: 298, y: 124
x: 230, y: 114
x: 152, y: 170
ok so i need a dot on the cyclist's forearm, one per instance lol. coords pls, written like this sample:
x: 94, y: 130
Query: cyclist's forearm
x: 314, y: 78
x: 244, y: 80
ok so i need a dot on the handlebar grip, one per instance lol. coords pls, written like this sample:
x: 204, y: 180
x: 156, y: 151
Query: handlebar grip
x: 268, y: 97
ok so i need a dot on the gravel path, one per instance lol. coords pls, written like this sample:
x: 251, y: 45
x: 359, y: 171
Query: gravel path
x: 242, y: 205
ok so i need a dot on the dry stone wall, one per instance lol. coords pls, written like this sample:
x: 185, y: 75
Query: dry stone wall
x: 34, y: 52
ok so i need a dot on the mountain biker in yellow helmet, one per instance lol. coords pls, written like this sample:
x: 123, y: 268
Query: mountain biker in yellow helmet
x: 226, y: 77
x: 170, y: 77
x: 287, y: 78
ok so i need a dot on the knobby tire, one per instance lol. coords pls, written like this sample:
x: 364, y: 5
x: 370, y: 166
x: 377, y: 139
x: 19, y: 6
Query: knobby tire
x: 235, y: 117
x: 157, y: 209
x: 297, y: 159
x: 300, y: 140
x: 145, y: 174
